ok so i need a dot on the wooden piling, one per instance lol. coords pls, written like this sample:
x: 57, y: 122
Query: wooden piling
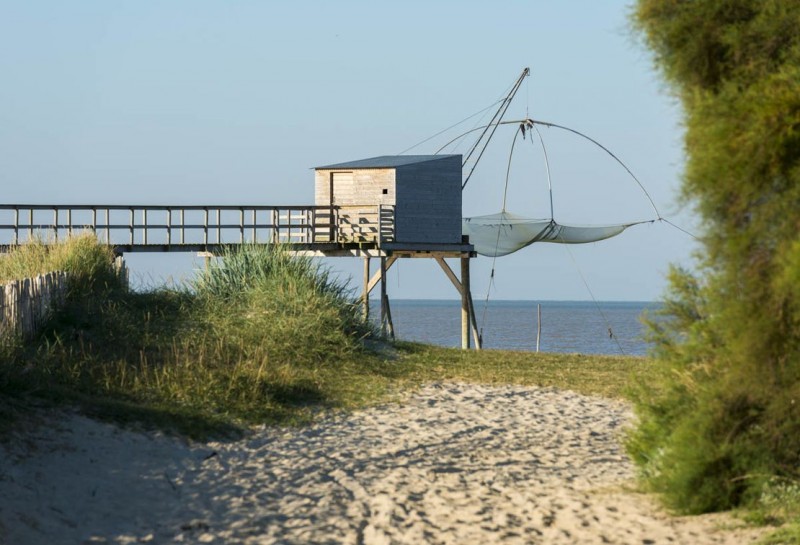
x: 476, y: 336
x: 465, y: 293
x: 383, y: 296
x: 389, y: 323
x: 365, y: 296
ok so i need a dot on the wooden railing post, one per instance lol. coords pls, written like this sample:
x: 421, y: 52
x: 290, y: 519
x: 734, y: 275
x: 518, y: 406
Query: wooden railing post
x: 133, y: 221
x: 108, y: 226
x: 144, y: 226
x: 169, y: 226
x: 205, y: 227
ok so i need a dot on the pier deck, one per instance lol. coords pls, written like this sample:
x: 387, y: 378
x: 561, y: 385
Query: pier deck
x: 367, y: 231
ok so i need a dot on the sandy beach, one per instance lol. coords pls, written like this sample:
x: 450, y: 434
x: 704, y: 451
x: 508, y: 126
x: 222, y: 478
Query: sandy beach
x: 451, y: 464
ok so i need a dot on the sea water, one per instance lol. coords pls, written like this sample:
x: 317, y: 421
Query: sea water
x: 585, y: 327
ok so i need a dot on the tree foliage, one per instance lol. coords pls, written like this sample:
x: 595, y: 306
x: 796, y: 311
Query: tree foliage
x: 725, y: 415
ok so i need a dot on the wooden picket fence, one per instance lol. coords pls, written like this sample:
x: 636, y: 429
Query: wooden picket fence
x: 25, y: 305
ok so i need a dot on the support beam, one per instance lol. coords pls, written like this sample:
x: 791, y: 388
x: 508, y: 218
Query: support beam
x: 449, y: 272
x: 384, y: 299
x: 365, y: 295
x: 476, y: 337
x: 389, y: 323
x: 472, y: 320
x: 465, y: 315
x: 378, y: 275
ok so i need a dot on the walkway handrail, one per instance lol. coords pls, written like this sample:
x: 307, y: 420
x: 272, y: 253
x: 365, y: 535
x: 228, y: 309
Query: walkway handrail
x: 173, y: 227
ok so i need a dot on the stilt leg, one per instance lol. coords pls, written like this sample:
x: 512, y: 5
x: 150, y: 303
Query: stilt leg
x: 465, y: 314
x: 476, y: 337
x: 383, y: 296
x: 365, y: 296
x: 389, y: 323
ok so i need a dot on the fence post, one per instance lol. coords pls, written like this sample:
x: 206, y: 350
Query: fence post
x: 25, y: 304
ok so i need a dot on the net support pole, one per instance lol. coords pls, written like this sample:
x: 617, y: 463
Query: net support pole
x: 465, y: 293
x: 538, y: 325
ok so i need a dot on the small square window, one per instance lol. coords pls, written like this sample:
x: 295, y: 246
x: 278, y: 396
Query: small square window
x: 385, y: 191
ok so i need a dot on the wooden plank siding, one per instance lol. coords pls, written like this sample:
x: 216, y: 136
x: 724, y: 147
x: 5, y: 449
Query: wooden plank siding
x: 363, y: 187
x: 429, y: 202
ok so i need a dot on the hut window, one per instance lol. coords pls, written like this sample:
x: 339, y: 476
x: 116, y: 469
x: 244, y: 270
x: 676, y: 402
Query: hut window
x: 385, y: 191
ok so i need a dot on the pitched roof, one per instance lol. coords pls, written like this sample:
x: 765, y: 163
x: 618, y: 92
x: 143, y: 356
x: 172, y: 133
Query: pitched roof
x: 387, y: 161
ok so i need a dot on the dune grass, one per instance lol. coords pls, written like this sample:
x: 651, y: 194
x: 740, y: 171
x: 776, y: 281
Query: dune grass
x: 260, y: 336
x: 252, y: 339
x: 80, y: 256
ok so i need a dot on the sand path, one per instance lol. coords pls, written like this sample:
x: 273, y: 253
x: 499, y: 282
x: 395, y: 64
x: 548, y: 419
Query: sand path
x: 455, y: 464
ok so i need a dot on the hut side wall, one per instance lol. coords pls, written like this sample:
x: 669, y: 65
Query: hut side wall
x: 429, y: 202
x: 366, y: 187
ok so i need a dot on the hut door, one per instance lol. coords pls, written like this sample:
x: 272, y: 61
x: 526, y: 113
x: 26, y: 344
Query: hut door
x: 342, y: 194
x: 341, y: 188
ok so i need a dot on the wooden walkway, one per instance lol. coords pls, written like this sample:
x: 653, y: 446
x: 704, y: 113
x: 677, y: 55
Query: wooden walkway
x: 313, y: 230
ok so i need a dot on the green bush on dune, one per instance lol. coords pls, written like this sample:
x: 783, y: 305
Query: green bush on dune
x: 262, y: 295
x: 722, y: 421
x: 255, y: 337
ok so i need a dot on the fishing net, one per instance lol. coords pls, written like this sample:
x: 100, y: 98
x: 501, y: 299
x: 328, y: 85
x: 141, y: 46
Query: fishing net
x: 504, y: 233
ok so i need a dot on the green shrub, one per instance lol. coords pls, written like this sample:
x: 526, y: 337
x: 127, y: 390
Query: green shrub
x: 721, y: 419
x: 274, y: 291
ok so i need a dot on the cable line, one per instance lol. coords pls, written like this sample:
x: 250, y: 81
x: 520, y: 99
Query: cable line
x: 451, y: 127
x: 611, y: 333
x: 681, y: 229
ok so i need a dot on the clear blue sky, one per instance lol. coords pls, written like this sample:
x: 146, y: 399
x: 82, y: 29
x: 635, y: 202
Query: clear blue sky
x: 199, y: 102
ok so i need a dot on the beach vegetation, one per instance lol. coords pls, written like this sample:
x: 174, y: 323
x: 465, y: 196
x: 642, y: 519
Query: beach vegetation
x: 257, y: 336
x: 260, y: 336
x: 80, y: 256
x: 720, y: 418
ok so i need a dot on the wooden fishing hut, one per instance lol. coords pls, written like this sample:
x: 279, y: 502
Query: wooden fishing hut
x: 399, y: 206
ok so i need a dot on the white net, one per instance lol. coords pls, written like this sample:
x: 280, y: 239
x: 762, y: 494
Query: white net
x: 501, y: 234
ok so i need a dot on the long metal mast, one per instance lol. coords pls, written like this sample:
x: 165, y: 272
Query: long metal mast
x: 488, y: 131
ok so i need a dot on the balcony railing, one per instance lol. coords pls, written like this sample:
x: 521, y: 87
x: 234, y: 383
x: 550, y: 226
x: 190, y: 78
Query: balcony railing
x: 179, y: 227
